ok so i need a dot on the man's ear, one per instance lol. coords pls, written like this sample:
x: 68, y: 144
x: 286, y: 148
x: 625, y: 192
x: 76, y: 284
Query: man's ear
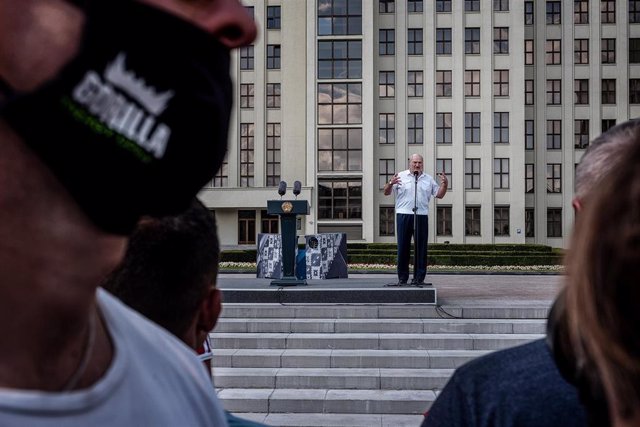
x: 577, y: 205
x: 210, y: 309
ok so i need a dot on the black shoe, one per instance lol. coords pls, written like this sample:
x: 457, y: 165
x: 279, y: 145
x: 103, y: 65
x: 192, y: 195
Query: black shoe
x: 421, y: 284
x: 402, y: 282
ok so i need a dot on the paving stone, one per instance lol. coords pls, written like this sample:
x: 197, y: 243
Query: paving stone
x: 309, y: 358
x: 297, y: 400
x: 245, y: 400
x: 378, y: 401
x: 324, y: 420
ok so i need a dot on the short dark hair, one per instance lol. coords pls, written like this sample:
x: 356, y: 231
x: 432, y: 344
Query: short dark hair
x: 168, y: 267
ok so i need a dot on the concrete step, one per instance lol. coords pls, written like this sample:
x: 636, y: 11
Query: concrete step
x: 332, y: 378
x: 326, y: 401
x: 313, y: 358
x: 415, y: 326
x: 371, y: 341
x: 519, y: 311
x: 334, y: 420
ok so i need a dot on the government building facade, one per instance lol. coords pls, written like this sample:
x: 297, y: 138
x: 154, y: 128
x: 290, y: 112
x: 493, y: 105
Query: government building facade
x: 501, y: 95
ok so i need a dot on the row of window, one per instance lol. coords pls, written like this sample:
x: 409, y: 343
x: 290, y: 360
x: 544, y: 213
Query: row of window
x: 416, y: 6
x: 501, y: 174
x: 444, y: 220
x: 581, y: 91
x: 472, y: 221
x: 273, y: 16
x: 553, y: 51
x: 272, y: 96
x: 246, y: 54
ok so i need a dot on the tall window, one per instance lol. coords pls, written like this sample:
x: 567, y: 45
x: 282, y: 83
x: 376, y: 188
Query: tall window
x: 443, y: 5
x: 472, y: 83
x: 247, y: 146
x: 273, y: 154
x: 634, y: 51
x: 472, y: 221
x: 339, y: 59
x: 554, y: 135
x: 608, y: 91
x: 554, y: 222
x: 443, y: 221
x: 554, y: 178
x: 445, y: 166
x: 273, y: 17
x: 387, y: 168
x: 339, y: 103
x: 472, y: 40
x: 387, y: 6
x: 471, y: 5
x: 634, y: 91
x: 221, y: 178
x: 387, y: 84
x: 553, y: 92
x: 607, y: 124
x: 338, y: 17
x: 246, y: 95
x: 501, y: 221
x: 529, y: 13
x: 553, y: 12
x: 581, y: 51
x: 269, y: 223
x: 608, y: 51
x: 387, y: 224
x: 581, y: 87
x: 387, y: 42
x: 414, y: 84
x: 581, y: 12
x: 443, y: 128
x: 500, y: 5
x: 340, y: 149
x: 246, y: 227
x: 443, y: 83
x: 634, y: 11
x: 273, y: 56
x: 273, y: 95
x: 608, y: 11
x: 501, y: 128
x: 415, y: 128
x: 529, y: 134
x: 443, y: 41
x: 500, y: 40
x: 529, y: 222
x: 414, y: 6
x: 414, y: 40
x: 472, y: 174
x: 246, y: 58
x: 529, y: 178
x: 501, y: 82
x: 529, y: 95
x: 500, y: 174
x: 528, y: 52
x: 581, y: 133
x: 339, y: 199
x: 472, y: 128
x: 387, y: 128
x: 553, y: 52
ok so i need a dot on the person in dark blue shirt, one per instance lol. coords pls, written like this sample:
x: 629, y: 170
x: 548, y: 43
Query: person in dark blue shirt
x: 520, y: 386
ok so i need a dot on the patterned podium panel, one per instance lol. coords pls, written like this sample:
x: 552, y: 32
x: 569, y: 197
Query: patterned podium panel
x: 326, y: 256
x: 269, y: 262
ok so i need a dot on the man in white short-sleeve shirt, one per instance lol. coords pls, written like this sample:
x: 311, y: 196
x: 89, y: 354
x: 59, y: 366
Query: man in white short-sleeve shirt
x: 403, y: 185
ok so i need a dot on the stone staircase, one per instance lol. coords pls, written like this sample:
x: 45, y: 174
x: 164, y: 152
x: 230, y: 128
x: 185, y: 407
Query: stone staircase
x: 353, y: 365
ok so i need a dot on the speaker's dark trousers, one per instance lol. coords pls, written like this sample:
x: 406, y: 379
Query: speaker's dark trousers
x: 404, y: 229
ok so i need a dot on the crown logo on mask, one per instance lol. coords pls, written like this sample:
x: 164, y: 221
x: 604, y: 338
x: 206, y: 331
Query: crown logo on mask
x: 136, y: 87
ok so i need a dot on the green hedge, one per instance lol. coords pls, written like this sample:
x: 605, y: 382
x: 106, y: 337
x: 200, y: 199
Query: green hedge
x: 439, y: 254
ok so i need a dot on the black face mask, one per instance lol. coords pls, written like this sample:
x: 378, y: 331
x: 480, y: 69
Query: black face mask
x: 137, y: 122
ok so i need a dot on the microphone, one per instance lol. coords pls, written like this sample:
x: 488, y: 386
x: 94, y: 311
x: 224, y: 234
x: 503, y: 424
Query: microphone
x: 297, y: 187
x: 416, y: 173
x: 282, y: 188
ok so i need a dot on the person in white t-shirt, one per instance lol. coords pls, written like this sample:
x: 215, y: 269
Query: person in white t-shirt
x: 76, y: 176
x: 403, y: 185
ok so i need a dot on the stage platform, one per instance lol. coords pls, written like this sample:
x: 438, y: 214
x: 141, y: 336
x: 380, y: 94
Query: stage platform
x: 450, y: 289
